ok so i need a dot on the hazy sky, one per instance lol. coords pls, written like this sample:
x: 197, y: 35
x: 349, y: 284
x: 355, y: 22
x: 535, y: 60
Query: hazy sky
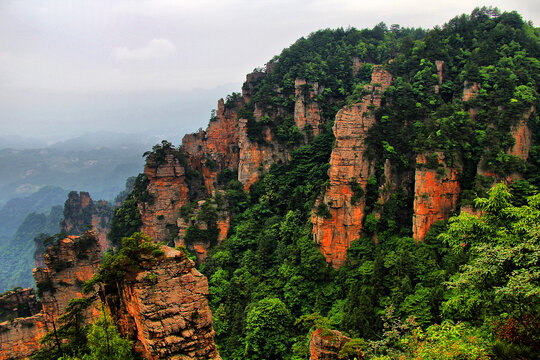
x: 72, y: 66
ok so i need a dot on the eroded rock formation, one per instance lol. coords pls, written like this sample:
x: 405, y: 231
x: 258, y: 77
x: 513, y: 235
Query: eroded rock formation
x: 436, y: 191
x: 163, y: 308
x: 67, y: 265
x: 169, y: 192
x: 18, y: 303
x: 307, y: 114
x: 349, y: 173
x: 82, y: 213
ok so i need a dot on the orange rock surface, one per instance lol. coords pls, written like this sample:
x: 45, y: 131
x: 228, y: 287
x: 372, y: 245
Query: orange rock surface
x: 436, y: 194
x: 256, y: 158
x: 80, y: 211
x: 168, y: 318
x: 348, y: 163
x: 167, y: 186
x: 68, y: 265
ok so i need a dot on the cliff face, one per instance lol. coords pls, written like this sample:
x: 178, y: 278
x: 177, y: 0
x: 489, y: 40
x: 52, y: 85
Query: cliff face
x: 436, y: 193
x: 215, y: 149
x: 81, y: 212
x: 167, y: 186
x: 307, y: 116
x: 349, y: 173
x: 163, y: 308
x: 67, y: 265
x: 18, y: 303
x: 256, y: 158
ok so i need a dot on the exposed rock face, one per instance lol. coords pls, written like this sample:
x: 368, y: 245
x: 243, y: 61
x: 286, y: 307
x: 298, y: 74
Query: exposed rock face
x: 168, y: 187
x: 326, y: 345
x: 522, y: 145
x: 81, y: 212
x: 470, y: 91
x: 216, y: 148
x: 436, y: 193
x: 306, y: 110
x: 164, y: 309
x: 348, y: 165
x: 20, y: 339
x: 68, y: 264
x: 522, y: 136
x: 256, y: 158
x: 18, y: 303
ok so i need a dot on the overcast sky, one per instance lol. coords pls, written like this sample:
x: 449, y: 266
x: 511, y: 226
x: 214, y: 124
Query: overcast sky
x: 73, y: 66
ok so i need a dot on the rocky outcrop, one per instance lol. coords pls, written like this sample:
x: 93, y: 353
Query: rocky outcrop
x: 307, y: 114
x: 439, y: 65
x: 215, y: 149
x: 522, y: 136
x: 163, y: 308
x: 18, y: 303
x: 436, y: 192
x: 349, y: 172
x: 19, y: 339
x: 67, y: 265
x: 82, y: 213
x: 256, y: 158
x: 326, y: 344
x: 169, y: 192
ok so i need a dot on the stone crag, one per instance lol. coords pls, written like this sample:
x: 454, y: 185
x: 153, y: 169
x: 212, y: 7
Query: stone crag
x: 18, y: 303
x: 164, y: 310
x: 349, y: 173
x: 67, y: 265
x: 82, y: 213
x: 168, y: 189
x: 436, y: 192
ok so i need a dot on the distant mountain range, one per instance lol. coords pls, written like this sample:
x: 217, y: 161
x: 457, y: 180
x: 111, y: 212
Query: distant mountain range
x: 95, y: 162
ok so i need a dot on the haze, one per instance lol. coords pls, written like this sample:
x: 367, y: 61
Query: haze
x: 158, y: 67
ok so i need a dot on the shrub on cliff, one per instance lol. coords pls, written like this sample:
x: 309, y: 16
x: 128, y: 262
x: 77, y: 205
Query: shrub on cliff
x: 134, y: 251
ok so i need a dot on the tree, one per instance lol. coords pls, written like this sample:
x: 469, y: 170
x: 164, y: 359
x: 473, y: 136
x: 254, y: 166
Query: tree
x: 502, y: 277
x: 268, y: 330
x: 105, y: 342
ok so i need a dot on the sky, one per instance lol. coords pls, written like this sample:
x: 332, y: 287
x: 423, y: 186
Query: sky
x: 158, y: 67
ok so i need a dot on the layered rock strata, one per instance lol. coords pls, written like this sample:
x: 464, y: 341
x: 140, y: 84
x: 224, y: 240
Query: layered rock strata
x: 164, y: 309
x: 349, y: 172
x: 18, y: 303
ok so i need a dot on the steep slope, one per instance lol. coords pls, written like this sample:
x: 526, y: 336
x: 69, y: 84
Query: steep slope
x: 350, y: 170
x: 163, y: 307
